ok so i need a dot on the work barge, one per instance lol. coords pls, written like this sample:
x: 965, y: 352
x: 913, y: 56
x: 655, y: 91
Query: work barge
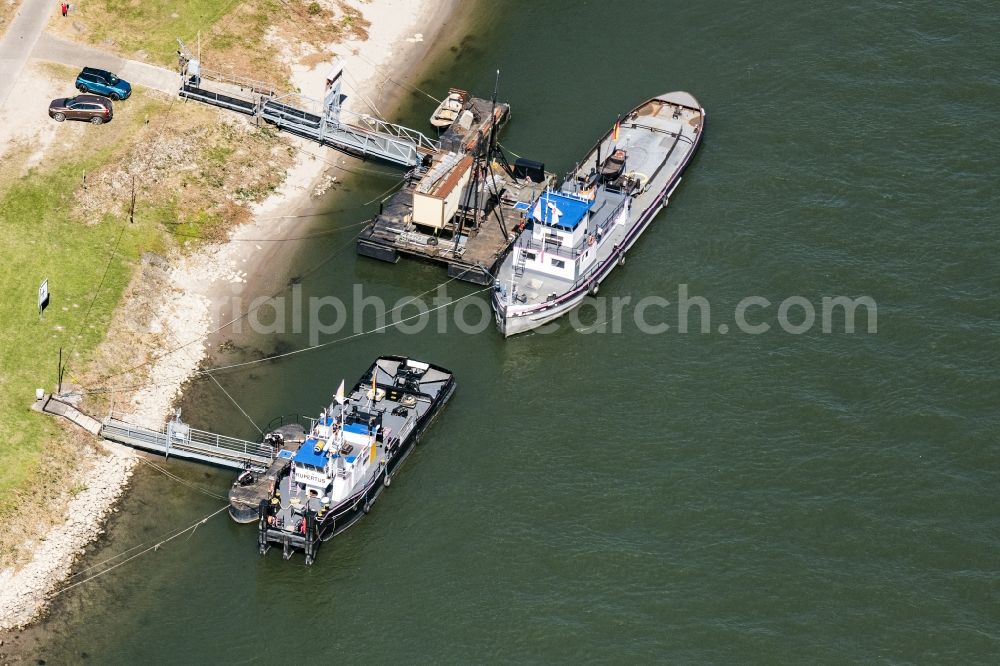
x: 465, y: 206
x: 461, y: 205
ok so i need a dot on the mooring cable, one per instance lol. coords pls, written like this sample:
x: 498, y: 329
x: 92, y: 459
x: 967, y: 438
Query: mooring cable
x: 232, y: 321
x: 318, y: 234
x: 155, y: 546
x: 227, y: 394
x: 359, y: 334
x: 383, y: 195
x: 179, y: 480
x: 233, y: 400
x: 398, y: 83
x: 344, y: 339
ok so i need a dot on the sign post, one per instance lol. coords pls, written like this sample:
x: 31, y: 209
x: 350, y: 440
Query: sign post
x: 43, y: 296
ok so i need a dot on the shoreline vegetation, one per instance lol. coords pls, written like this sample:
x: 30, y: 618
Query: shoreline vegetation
x: 123, y: 290
x: 258, y: 39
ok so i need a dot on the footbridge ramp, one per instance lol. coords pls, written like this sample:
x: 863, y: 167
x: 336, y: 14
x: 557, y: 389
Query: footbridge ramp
x: 179, y: 440
x: 324, y: 122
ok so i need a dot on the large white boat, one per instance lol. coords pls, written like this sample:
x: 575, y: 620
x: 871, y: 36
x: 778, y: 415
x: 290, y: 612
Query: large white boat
x: 579, y: 233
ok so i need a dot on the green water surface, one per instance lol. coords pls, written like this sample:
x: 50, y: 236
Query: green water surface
x: 627, y: 497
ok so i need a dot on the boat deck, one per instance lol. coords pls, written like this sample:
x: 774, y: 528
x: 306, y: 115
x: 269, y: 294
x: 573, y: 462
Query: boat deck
x: 400, y: 403
x: 481, y: 243
x: 472, y: 138
x: 657, y: 138
x: 244, y: 500
x: 472, y: 243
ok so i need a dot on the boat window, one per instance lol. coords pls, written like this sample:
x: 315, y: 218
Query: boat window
x: 530, y: 256
x: 558, y: 263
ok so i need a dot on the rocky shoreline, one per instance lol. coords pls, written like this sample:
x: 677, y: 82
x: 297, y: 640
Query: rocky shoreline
x: 24, y: 593
x: 185, y: 310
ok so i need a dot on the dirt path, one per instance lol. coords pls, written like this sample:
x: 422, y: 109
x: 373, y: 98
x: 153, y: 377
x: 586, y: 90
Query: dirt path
x: 26, y: 84
x: 59, y: 50
x: 16, y: 46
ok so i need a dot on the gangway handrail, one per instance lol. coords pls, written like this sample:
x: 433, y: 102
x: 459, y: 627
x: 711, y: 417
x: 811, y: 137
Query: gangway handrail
x: 199, y: 443
x: 299, y: 102
x: 362, y: 122
x: 254, y: 85
x: 327, y: 123
x: 380, y: 126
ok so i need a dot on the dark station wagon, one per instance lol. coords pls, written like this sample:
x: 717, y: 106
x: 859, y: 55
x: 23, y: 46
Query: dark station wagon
x: 94, y: 108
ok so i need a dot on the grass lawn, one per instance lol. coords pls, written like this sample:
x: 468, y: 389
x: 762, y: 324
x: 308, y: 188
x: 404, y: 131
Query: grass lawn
x: 232, y: 32
x: 196, y: 175
x: 42, y: 239
x: 154, y: 25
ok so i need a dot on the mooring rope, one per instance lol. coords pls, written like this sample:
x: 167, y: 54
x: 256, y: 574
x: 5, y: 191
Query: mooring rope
x: 228, y: 395
x: 271, y: 358
x: 283, y: 239
x: 179, y: 480
x: 413, y: 88
x: 233, y: 400
x: 357, y: 90
x: 155, y: 546
x: 377, y: 329
x: 232, y: 321
x: 384, y: 194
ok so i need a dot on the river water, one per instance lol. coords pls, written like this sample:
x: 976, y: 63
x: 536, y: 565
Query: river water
x: 685, y: 497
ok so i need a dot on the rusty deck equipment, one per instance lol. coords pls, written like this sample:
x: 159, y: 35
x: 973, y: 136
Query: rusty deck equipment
x: 464, y: 207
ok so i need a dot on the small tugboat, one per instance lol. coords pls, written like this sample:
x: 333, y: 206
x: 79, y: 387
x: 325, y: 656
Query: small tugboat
x: 581, y: 232
x: 350, y: 454
x: 447, y: 111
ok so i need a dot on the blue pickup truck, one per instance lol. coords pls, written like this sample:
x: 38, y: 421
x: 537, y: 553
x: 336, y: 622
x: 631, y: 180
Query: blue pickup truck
x: 101, y: 82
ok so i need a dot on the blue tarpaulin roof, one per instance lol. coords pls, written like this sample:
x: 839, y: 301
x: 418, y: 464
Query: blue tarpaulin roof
x: 306, y: 455
x: 357, y: 428
x: 560, y: 210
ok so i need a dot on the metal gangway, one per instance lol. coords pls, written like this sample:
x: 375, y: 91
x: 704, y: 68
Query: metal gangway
x: 180, y: 440
x: 325, y: 122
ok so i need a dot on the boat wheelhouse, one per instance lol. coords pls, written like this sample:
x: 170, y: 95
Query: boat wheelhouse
x: 565, y: 231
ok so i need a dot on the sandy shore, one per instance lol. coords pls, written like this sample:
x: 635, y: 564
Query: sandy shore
x: 400, y: 34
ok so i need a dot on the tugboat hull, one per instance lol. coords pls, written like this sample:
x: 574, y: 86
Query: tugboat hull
x: 295, y: 517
